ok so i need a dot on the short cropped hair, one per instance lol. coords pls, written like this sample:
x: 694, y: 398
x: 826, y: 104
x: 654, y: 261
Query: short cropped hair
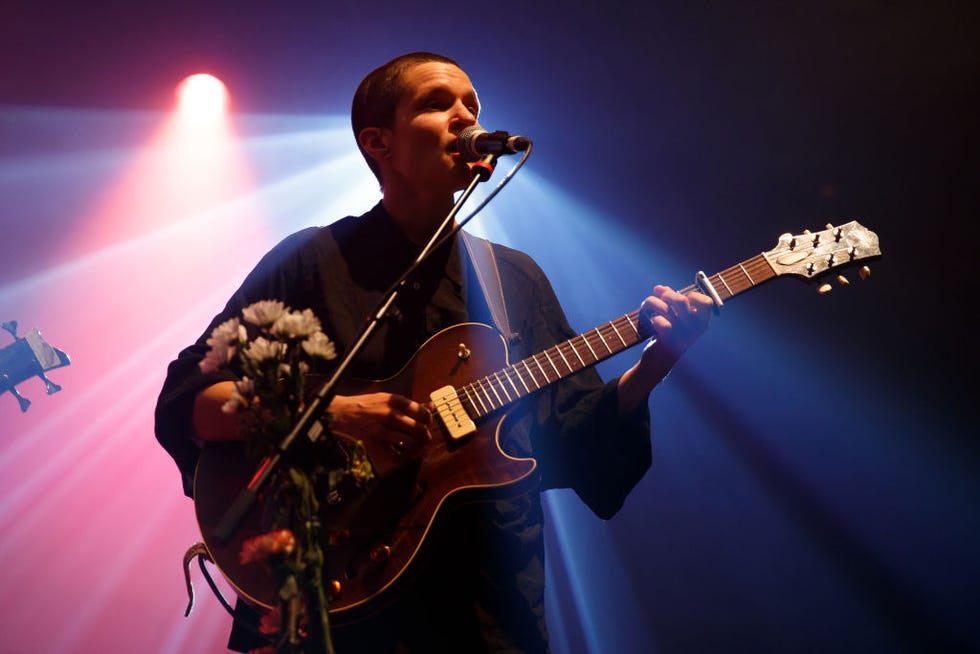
x: 378, y: 94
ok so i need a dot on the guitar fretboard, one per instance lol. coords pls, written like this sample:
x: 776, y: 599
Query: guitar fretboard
x: 520, y: 379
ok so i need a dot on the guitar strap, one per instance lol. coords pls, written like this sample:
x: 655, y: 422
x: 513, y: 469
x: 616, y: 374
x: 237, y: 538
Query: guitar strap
x: 480, y: 251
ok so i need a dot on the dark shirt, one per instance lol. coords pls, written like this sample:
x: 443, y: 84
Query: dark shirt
x: 482, y: 585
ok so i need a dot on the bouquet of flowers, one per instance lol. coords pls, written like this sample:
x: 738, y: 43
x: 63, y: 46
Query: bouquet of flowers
x: 275, y: 348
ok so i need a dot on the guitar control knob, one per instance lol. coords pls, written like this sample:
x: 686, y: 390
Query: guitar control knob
x: 338, y: 537
x: 335, y: 588
x: 380, y: 554
x: 824, y: 289
x: 864, y: 272
x: 843, y: 281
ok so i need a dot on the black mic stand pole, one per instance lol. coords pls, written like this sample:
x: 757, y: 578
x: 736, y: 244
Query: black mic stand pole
x: 308, y: 423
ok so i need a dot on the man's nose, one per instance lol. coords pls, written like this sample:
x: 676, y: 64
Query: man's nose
x: 464, y: 115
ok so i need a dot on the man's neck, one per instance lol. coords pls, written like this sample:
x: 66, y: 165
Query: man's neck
x: 416, y: 216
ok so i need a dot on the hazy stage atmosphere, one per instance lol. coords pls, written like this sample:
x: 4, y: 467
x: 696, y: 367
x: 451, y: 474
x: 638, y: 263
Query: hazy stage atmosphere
x: 816, y: 475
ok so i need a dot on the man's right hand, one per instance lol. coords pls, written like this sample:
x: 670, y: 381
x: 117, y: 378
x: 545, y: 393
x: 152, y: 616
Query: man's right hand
x: 393, y: 428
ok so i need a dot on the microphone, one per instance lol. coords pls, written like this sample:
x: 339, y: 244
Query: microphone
x: 476, y: 143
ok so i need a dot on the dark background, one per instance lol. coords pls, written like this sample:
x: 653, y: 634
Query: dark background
x: 707, y: 127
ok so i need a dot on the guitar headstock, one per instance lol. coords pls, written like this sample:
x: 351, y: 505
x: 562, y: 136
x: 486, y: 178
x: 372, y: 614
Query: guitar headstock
x: 811, y: 254
x: 30, y: 356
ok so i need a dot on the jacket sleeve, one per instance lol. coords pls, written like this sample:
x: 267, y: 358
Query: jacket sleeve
x: 279, y: 275
x: 574, y: 429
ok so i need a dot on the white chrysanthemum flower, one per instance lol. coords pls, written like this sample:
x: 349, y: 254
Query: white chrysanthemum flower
x: 234, y: 403
x: 263, y: 312
x: 241, y: 396
x: 227, y: 333
x: 245, y: 387
x: 296, y: 324
x: 214, y: 359
x: 222, y: 345
x: 262, y: 349
x: 319, y: 345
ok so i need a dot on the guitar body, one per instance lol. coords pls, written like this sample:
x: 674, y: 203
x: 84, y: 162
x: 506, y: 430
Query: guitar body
x: 373, y: 535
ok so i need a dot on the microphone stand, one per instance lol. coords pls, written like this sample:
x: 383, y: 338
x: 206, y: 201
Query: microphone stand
x: 308, y: 423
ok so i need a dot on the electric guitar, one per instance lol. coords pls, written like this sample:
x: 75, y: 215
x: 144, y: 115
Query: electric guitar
x: 372, y: 536
x: 30, y: 356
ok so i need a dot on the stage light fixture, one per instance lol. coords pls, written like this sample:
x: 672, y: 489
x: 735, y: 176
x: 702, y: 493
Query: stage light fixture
x: 202, y: 97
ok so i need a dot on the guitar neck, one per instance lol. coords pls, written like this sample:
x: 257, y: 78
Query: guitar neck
x: 495, y: 391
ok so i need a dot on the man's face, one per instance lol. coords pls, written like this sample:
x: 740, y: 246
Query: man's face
x: 437, y: 103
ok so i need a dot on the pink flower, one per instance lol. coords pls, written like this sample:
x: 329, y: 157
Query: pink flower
x: 260, y: 548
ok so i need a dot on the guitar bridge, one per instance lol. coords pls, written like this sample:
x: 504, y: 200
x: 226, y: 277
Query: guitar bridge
x: 450, y: 410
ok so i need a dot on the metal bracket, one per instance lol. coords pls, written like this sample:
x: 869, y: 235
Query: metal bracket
x: 702, y: 282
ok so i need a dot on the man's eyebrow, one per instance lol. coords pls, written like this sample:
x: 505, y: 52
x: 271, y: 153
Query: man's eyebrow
x: 439, y: 89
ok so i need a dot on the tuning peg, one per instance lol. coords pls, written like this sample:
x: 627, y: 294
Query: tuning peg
x: 844, y: 281
x: 24, y: 402
x: 49, y: 385
x: 823, y: 289
x: 864, y: 272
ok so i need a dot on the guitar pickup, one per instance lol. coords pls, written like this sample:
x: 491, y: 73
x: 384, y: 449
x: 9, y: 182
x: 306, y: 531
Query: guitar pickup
x: 450, y: 410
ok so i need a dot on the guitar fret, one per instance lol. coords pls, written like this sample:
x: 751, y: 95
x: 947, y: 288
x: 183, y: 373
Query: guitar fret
x: 747, y: 274
x: 485, y: 398
x: 496, y: 394
x: 538, y: 364
x: 569, y: 361
x: 531, y: 374
x: 504, y: 388
x: 727, y: 287
x: 608, y: 349
x: 631, y: 334
x: 589, y: 345
x: 520, y: 378
x: 467, y: 401
x: 636, y: 330
x: 476, y: 394
x: 562, y: 355
x: 613, y: 325
x: 507, y: 377
x: 577, y: 355
x: 548, y: 357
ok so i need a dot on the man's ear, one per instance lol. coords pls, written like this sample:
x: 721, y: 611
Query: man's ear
x: 374, y: 142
